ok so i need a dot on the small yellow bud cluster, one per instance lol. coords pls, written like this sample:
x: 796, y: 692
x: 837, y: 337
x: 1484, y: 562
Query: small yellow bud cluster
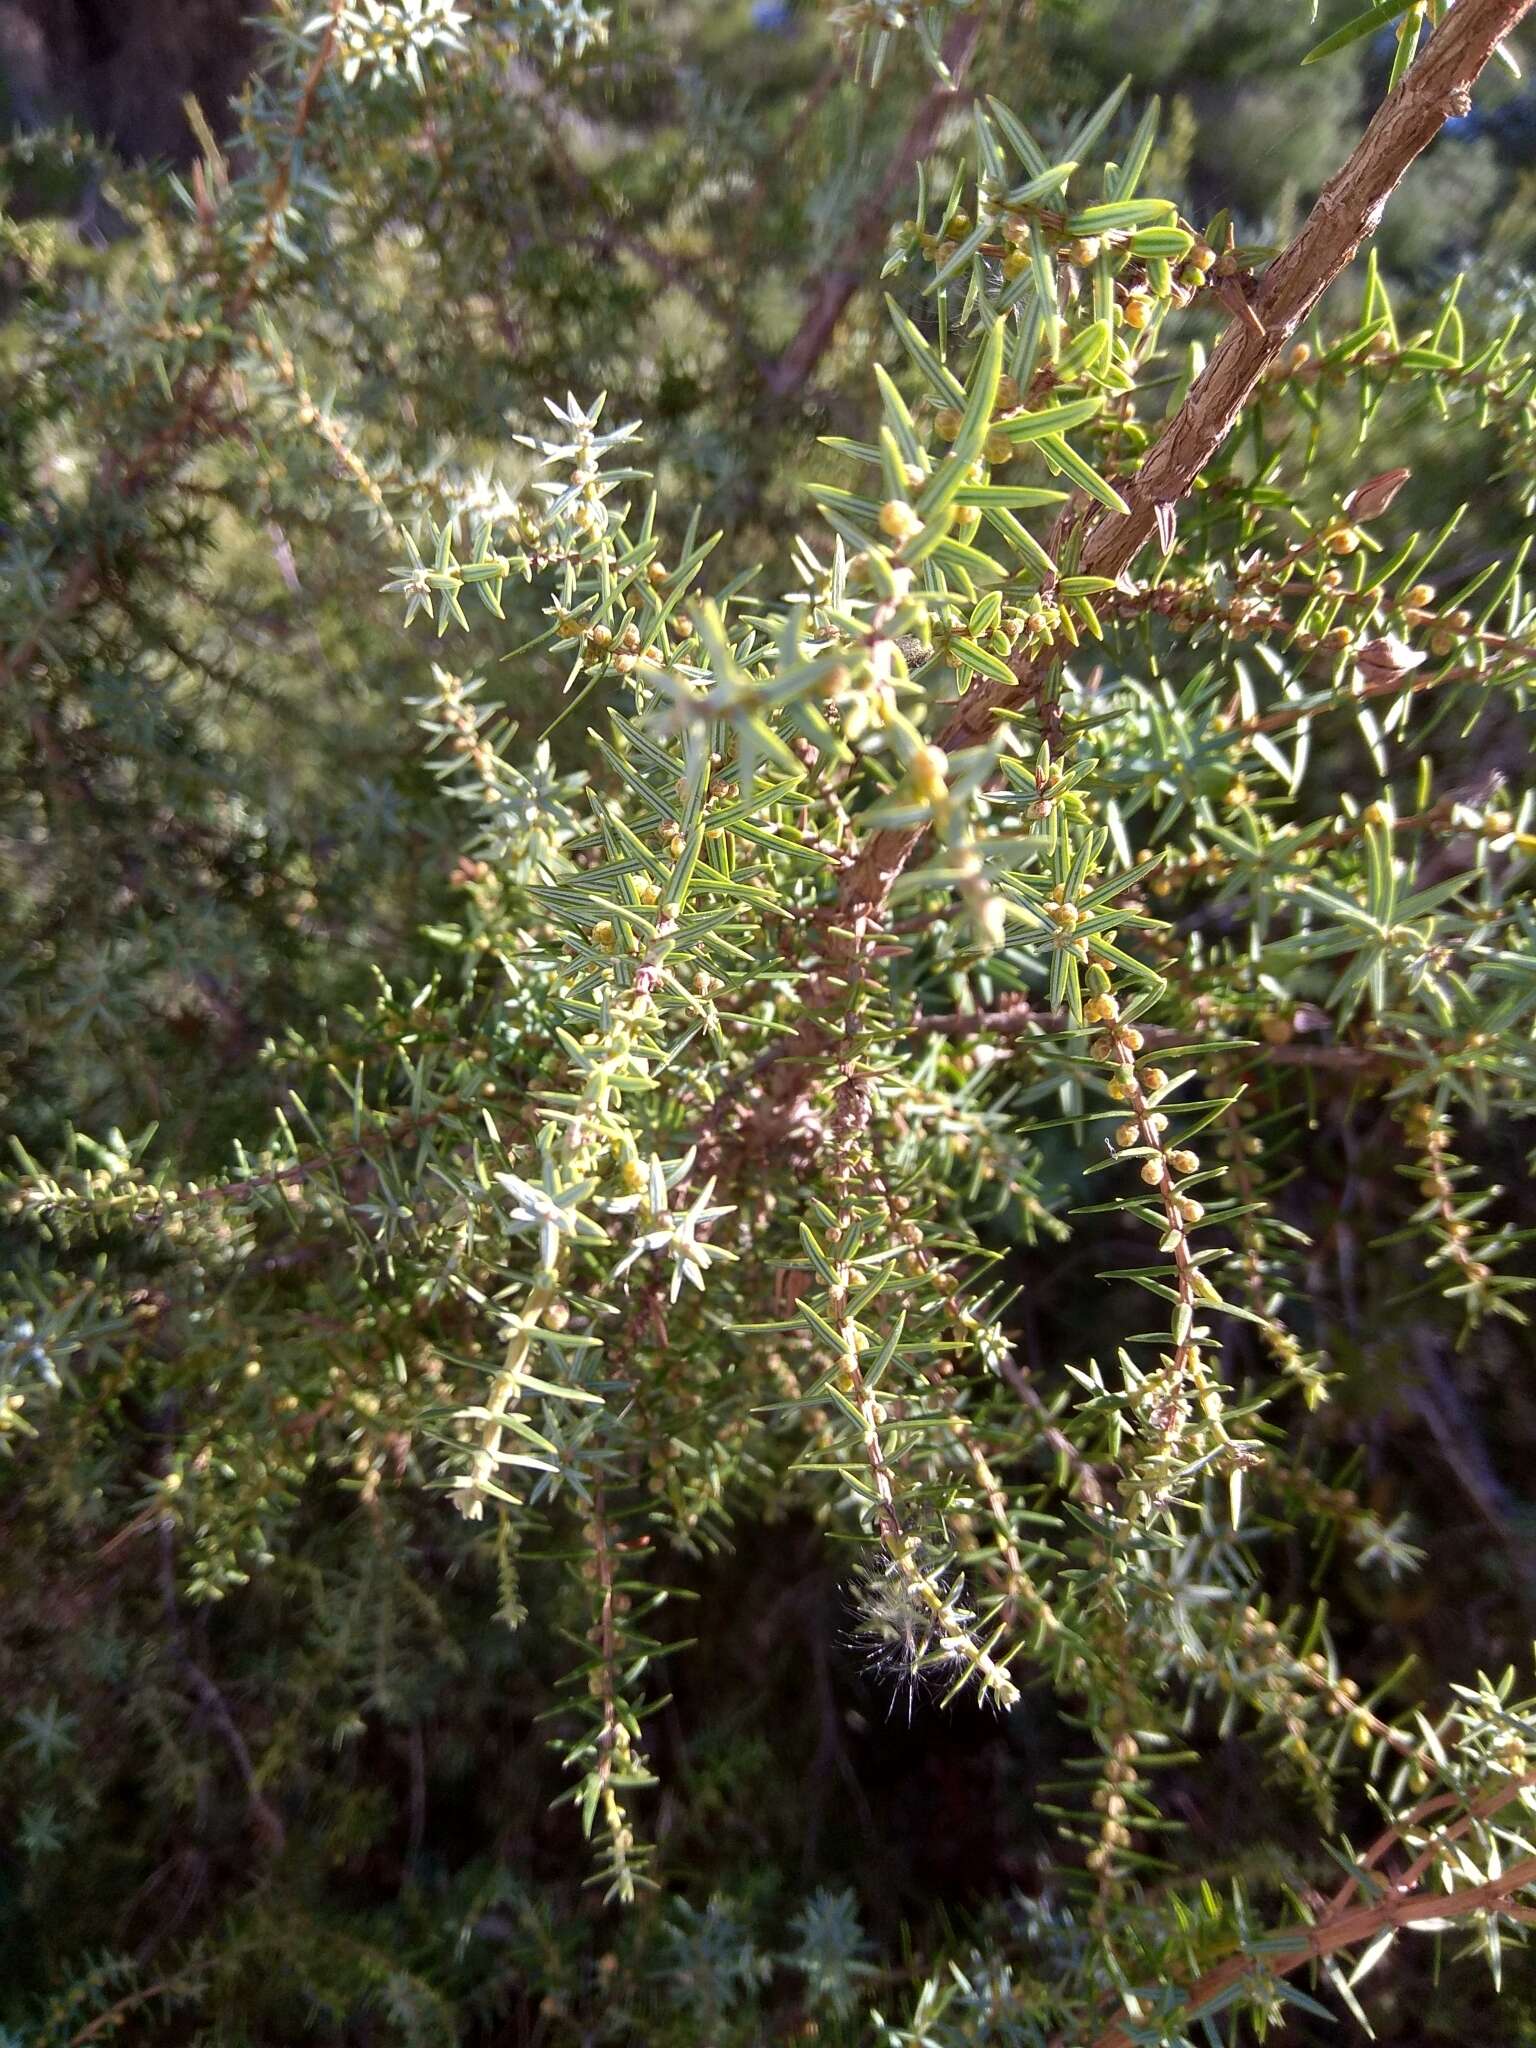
x: 1110, y: 1799
x: 628, y: 649
x: 1446, y: 637
x: 1430, y: 1135
x: 927, y: 772
x: 899, y: 521
x: 466, y: 740
x: 1125, y: 1038
x: 1040, y: 622
x: 1197, y: 267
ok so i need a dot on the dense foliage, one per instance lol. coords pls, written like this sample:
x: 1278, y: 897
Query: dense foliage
x: 768, y: 1036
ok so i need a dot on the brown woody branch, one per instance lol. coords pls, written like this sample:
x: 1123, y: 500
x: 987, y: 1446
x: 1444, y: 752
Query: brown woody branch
x: 1346, y: 213
x: 1346, y: 1925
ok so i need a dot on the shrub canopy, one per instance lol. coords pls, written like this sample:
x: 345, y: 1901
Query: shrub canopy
x: 769, y: 1018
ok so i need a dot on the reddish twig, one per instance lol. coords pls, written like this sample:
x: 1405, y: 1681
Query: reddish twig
x: 1346, y: 1925
x: 1347, y: 212
x: 849, y: 266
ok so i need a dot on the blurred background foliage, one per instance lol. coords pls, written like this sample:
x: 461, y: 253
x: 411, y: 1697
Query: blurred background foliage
x: 217, y: 827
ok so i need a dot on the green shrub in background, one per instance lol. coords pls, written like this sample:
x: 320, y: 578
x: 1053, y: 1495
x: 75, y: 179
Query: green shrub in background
x: 723, y: 1260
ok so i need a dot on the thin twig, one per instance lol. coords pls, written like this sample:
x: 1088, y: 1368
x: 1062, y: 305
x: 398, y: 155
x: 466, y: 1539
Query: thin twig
x: 104, y: 2022
x: 1019, y: 1019
x: 849, y: 266
x: 1347, y: 212
x: 1347, y: 1926
x: 264, y: 1815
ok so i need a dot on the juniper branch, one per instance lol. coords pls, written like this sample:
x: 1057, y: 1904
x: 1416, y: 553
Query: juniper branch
x: 1346, y: 213
x: 1347, y: 1926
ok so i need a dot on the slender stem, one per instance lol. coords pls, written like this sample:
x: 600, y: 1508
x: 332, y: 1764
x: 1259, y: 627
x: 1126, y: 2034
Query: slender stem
x: 1346, y: 1925
x: 1347, y: 212
x: 848, y: 267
